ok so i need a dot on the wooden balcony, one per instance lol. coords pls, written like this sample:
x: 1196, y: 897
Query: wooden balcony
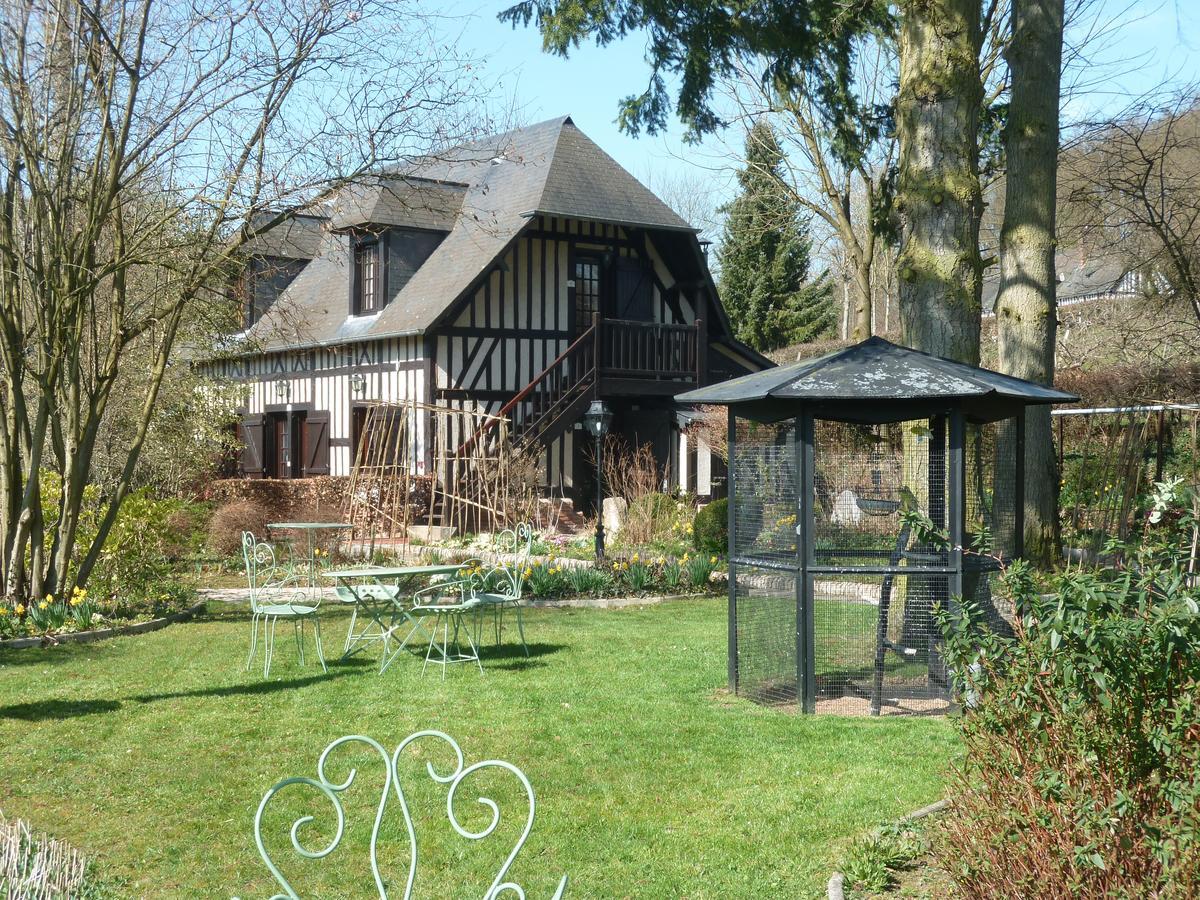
x: 648, y: 357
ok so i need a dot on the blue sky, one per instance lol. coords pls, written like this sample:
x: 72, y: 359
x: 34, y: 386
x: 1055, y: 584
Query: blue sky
x: 1138, y: 44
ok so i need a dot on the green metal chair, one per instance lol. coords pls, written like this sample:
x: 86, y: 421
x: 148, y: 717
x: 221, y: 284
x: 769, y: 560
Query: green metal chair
x: 276, y: 593
x: 503, y: 586
x: 447, y: 603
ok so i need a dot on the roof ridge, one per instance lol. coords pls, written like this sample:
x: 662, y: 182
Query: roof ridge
x: 553, y: 159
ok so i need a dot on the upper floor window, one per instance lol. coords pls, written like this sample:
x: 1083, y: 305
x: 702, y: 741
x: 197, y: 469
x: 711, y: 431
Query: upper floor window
x: 367, y: 294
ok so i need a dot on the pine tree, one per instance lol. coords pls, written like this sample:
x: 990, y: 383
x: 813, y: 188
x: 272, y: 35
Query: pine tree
x: 765, y: 257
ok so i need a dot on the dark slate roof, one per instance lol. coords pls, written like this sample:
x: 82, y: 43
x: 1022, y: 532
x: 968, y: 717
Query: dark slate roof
x: 296, y: 237
x: 412, y: 202
x: 1079, y: 274
x: 871, y: 371
x: 550, y: 168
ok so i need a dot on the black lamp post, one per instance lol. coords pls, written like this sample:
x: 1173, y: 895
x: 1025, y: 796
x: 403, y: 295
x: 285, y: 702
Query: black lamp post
x: 596, y: 420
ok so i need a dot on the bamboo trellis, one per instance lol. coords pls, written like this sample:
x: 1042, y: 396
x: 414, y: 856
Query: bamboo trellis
x: 410, y: 451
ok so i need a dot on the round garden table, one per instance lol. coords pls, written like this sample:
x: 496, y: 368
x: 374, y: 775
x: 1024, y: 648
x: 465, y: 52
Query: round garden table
x: 309, y: 529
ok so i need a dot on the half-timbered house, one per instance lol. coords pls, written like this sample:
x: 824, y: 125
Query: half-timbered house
x: 525, y: 274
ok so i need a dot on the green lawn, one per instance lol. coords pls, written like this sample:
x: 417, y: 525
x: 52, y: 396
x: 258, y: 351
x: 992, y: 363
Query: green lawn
x: 153, y: 752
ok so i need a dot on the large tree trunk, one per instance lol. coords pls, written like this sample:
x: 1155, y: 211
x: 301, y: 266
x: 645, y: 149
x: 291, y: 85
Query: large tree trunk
x: 938, y: 192
x: 1026, y: 311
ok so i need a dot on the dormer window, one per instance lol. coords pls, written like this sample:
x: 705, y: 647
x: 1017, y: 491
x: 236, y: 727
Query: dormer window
x: 367, y: 293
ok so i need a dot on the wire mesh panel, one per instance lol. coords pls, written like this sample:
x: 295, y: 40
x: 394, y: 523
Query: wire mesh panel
x: 766, y: 496
x: 763, y: 550
x: 865, y: 477
x: 877, y: 651
x: 991, y: 488
x: 766, y: 634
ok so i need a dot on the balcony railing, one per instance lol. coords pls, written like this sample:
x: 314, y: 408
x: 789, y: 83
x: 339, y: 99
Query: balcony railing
x: 650, y: 350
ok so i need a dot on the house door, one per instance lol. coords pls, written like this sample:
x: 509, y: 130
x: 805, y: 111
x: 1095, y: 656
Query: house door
x: 286, y: 441
x: 587, y: 291
x: 280, y: 446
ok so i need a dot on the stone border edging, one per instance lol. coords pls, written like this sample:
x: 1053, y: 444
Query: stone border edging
x: 836, y: 888
x: 618, y: 602
x: 100, y: 634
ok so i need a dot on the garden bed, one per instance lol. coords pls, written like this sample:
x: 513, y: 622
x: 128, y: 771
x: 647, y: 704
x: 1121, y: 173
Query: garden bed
x: 100, y: 634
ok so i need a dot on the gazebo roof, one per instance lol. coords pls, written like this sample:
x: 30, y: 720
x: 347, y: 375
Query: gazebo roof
x: 870, y: 373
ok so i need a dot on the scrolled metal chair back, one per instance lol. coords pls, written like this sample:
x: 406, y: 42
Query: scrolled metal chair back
x: 331, y: 790
x: 518, y: 541
x: 260, y: 559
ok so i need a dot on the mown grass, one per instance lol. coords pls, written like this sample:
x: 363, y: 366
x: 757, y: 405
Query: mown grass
x: 152, y: 753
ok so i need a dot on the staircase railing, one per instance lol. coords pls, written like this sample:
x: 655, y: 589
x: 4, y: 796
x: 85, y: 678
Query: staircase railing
x: 569, y: 376
x: 649, y: 350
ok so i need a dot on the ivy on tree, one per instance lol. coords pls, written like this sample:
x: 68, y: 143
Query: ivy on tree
x: 765, y: 257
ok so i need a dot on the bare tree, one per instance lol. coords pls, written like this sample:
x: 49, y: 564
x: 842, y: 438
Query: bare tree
x: 139, y: 141
x: 1129, y: 186
x: 845, y: 188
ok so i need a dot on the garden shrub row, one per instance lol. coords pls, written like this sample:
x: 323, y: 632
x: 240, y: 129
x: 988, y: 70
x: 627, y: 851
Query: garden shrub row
x: 635, y: 575
x: 1082, y: 733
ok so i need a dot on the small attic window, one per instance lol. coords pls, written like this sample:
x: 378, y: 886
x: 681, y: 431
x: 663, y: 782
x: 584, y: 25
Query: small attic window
x: 367, y: 293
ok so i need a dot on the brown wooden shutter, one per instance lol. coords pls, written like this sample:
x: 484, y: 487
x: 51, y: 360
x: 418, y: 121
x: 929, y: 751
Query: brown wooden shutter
x: 252, y: 458
x: 316, y: 444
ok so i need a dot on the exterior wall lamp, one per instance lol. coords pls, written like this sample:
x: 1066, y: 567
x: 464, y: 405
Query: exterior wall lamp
x: 283, y: 389
x: 358, y: 383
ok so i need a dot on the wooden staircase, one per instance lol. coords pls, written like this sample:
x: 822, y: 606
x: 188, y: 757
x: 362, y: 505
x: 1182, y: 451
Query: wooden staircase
x: 613, y: 357
x: 554, y: 400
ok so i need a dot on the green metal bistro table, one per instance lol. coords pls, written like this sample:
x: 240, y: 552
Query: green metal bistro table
x: 375, y: 592
x: 309, y: 529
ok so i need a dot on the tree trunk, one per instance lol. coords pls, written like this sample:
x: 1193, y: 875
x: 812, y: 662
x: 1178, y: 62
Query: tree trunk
x: 1026, y: 310
x: 938, y: 193
x: 861, y: 324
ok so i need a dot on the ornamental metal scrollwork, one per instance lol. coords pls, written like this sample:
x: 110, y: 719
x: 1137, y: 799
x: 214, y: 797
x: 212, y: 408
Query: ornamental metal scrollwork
x: 331, y: 789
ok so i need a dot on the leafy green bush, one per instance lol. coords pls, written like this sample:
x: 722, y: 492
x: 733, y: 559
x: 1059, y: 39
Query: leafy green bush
x: 710, y: 528
x: 148, y: 537
x: 1082, y: 768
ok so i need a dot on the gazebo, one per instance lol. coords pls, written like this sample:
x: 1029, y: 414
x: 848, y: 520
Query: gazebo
x: 866, y: 488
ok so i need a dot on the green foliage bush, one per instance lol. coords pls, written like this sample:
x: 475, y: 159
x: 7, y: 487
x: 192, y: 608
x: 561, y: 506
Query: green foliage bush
x: 710, y: 528
x: 1082, y: 768
x: 148, y: 538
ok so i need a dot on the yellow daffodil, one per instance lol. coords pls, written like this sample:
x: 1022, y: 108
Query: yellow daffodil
x: 635, y: 557
x: 713, y: 560
x: 660, y: 561
x: 3, y: 610
x: 49, y: 598
x: 43, y: 605
x: 528, y: 572
x: 20, y: 609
